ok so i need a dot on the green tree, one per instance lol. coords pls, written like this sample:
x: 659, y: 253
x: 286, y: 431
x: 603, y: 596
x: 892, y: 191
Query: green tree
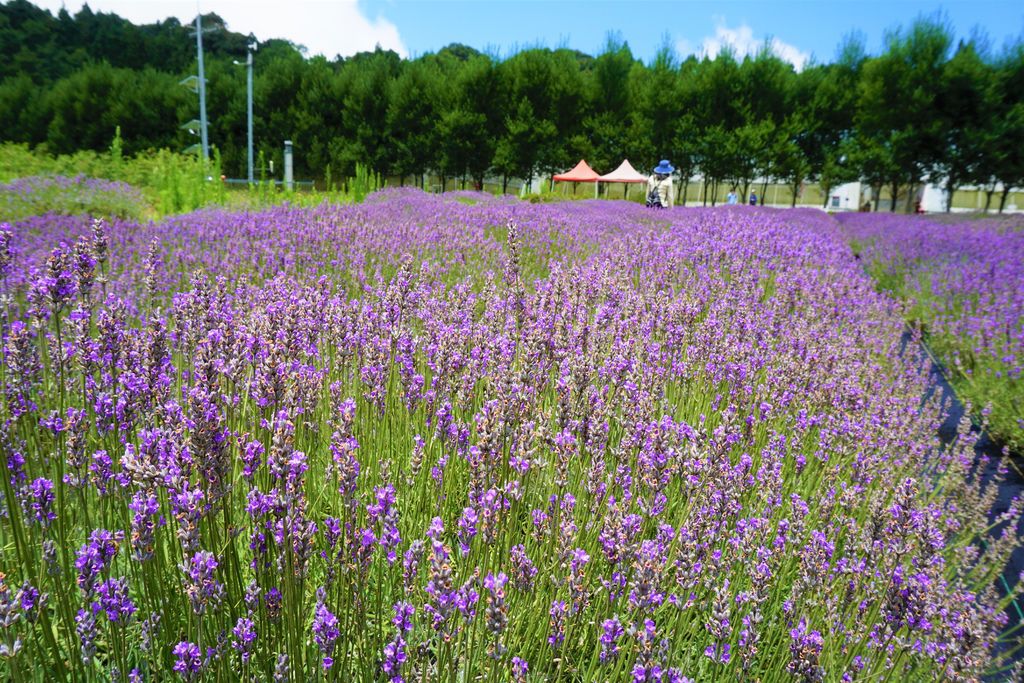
x: 365, y: 84
x: 897, y: 109
x: 1003, y: 137
x: 610, y: 107
x: 414, y: 103
x: 966, y: 104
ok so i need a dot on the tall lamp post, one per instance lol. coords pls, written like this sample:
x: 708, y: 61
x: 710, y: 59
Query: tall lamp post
x: 248, y: 102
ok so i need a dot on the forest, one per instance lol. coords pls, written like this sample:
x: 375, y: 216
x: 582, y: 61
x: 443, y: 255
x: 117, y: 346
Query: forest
x: 928, y: 107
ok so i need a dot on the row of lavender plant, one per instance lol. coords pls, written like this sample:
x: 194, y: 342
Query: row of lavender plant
x: 35, y: 195
x: 964, y: 282
x: 418, y: 440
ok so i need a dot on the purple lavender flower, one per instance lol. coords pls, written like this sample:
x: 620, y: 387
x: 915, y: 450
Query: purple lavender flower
x: 436, y: 529
x: 273, y: 602
x: 611, y: 632
x: 556, y: 633
x: 252, y: 458
x: 85, y: 627
x: 394, y: 658
x: 467, y: 529
x: 6, y: 255
x: 245, y: 637
x: 439, y: 588
x: 403, y: 616
x: 145, y: 508
x: 112, y: 599
x: 519, y: 669
x: 411, y: 563
x: 203, y: 590
x: 523, y: 569
x: 31, y: 601
x: 149, y: 628
x: 281, y: 669
x: 188, y: 660
x: 39, y: 503
x: 102, y: 470
x: 384, y: 511
x: 325, y: 632
x: 805, y: 649
x: 94, y: 557
x: 467, y: 597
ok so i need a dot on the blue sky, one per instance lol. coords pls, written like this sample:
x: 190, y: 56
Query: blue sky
x: 811, y: 27
x: 798, y: 29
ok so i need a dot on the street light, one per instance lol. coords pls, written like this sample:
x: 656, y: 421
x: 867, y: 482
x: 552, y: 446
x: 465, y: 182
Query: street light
x: 248, y: 65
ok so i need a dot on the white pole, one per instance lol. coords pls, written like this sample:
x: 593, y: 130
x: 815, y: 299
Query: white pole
x: 288, y: 178
x: 248, y: 64
x: 202, y: 89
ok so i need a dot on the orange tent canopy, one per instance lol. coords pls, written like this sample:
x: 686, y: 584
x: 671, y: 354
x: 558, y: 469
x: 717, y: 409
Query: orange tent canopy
x: 625, y: 173
x: 581, y: 173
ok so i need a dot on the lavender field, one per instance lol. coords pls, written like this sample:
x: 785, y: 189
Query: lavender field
x: 474, y: 439
x: 964, y: 283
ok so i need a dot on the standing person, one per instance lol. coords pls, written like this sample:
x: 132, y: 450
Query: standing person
x: 659, y: 186
x: 753, y: 198
x: 731, y: 197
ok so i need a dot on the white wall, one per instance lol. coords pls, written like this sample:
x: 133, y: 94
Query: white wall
x: 846, y: 197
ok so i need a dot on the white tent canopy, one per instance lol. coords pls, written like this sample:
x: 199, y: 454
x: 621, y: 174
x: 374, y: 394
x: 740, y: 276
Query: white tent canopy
x: 625, y: 174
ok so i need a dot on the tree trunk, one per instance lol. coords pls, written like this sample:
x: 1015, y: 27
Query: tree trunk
x: 950, y: 189
x: 1002, y: 199
x: 714, y: 192
x: 988, y: 198
x: 504, y: 184
x: 911, y: 192
x: 704, y: 181
x: 683, y: 188
x: 895, y: 190
x: 876, y: 190
x: 764, y: 191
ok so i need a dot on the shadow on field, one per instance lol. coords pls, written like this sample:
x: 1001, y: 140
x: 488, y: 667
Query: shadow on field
x: 1012, y: 486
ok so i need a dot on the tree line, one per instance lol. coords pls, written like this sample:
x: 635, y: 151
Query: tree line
x: 927, y: 108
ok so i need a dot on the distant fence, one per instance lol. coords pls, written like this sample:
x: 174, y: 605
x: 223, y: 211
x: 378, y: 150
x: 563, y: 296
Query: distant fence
x: 776, y: 194
x: 305, y: 185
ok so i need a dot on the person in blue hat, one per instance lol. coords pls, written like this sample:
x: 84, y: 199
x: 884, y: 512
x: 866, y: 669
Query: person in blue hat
x: 659, y: 186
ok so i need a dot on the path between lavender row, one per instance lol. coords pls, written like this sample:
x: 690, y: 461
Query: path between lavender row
x: 1010, y: 487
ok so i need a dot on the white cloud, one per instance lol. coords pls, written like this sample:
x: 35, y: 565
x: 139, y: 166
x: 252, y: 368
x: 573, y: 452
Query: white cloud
x: 742, y: 41
x: 327, y: 27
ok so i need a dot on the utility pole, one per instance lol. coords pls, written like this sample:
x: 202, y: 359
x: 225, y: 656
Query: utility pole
x: 197, y: 84
x: 204, y: 137
x: 248, y: 101
x: 248, y: 65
